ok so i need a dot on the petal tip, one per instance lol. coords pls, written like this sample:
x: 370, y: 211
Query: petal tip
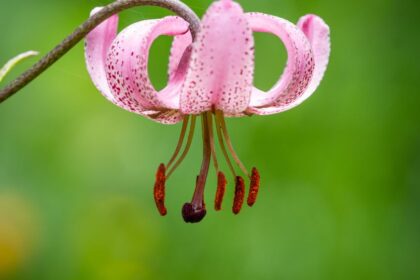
x: 313, y: 25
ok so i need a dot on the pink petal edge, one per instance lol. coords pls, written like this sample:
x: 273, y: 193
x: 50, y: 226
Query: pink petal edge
x: 96, y: 47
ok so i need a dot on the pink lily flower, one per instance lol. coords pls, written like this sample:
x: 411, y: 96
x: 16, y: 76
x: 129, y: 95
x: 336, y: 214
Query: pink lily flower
x: 211, y: 77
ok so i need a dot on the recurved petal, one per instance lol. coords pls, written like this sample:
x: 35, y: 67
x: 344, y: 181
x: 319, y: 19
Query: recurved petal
x: 318, y: 34
x: 98, y: 43
x: 127, y: 68
x: 222, y: 62
x: 96, y: 47
x: 298, y: 71
x: 179, y: 46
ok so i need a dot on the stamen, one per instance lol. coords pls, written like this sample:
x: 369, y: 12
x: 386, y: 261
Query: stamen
x: 223, y: 147
x: 220, y: 193
x: 187, y: 147
x: 196, y: 210
x: 211, y: 138
x: 180, y: 141
x: 239, y: 195
x: 254, y: 187
x: 221, y: 121
x: 159, y: 189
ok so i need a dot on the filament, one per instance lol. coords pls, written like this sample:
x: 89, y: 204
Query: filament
x: 211, y: 138
x: 221, y: 121
x: 186, y: 149
x: 180, y: 141
x: 223, y: 147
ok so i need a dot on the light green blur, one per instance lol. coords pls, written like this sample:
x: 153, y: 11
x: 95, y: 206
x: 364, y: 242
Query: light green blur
x: 340, y: 197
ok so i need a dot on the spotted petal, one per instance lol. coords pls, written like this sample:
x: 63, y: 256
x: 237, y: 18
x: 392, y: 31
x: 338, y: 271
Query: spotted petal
x: 299, y: 69
x: 308, y: 48
x: 318, y: 34
x: 118, y: 67
x: 221, y: 67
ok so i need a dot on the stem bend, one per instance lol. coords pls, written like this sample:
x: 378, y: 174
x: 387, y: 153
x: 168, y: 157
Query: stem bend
x: 68, y: 43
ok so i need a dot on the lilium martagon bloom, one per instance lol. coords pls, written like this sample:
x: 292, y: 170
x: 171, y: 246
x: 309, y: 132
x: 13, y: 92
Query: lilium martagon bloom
x: 211, y: 78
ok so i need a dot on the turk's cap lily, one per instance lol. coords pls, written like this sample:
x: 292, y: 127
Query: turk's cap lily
x: 213, y: 72
x: 210, y: 76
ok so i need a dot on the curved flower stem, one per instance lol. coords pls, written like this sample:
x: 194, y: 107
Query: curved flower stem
x: 176, y: 6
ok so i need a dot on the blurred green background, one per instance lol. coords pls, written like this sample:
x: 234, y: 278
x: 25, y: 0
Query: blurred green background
x: 340, y: 192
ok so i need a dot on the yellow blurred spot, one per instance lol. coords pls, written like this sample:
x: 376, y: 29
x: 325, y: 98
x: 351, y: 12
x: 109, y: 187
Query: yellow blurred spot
x: 118, y: 239
x: 17, y: 231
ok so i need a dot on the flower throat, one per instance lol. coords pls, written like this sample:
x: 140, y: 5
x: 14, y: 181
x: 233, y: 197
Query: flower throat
x: 195, y: 211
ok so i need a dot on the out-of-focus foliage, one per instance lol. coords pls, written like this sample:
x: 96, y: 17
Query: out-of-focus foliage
x: 340, y: 174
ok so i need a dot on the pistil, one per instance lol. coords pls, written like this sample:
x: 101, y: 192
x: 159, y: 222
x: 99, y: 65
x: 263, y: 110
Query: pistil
x: 196, y: 210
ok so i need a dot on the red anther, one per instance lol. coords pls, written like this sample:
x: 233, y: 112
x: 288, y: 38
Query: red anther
x: 221, y: 187
x: 254, y: 187
x: 159, y: 189
x: 239, y: 195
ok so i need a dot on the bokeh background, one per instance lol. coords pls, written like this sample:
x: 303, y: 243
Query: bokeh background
x: 340, y: 174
